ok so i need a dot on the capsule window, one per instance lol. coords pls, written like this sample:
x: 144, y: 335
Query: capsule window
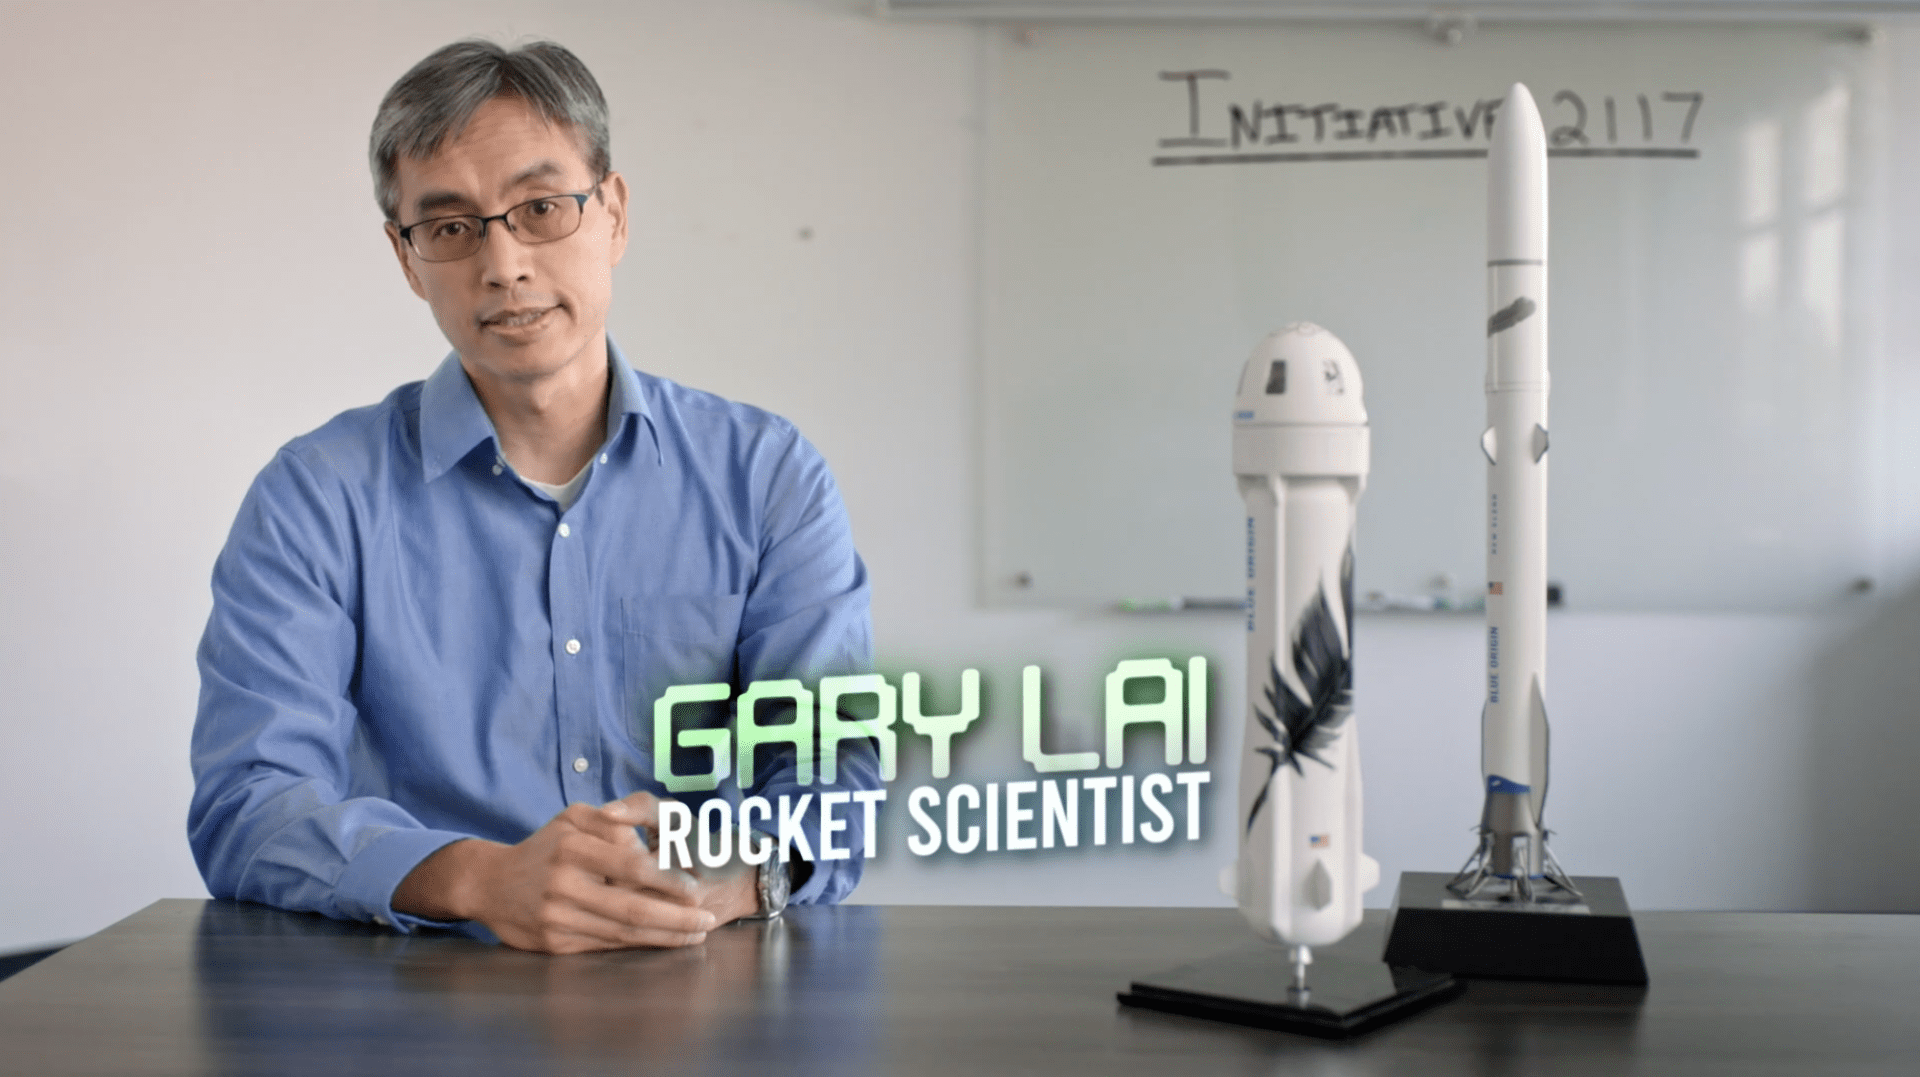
x: 1277, y: 378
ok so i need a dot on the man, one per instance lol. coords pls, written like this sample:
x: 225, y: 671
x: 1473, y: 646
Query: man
x: 440, y: 623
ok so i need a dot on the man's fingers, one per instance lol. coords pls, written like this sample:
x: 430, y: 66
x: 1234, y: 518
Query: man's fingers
x: 613, y: 825
x: 634, y: 809
x: 627, y: 863
x: 627, y: 914
x: 572, y: 929
x: 616, y: 821
x: 585, y: 882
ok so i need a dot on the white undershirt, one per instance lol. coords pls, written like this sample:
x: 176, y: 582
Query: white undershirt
x: 566, y: 494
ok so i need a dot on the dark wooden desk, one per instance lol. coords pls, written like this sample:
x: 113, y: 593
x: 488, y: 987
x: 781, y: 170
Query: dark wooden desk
x: 195, y: 987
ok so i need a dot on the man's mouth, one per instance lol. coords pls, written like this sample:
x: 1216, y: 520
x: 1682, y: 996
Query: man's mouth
x: 516, y: 319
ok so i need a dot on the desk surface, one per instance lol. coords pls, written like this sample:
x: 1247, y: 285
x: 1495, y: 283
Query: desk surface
x: 192, y: 987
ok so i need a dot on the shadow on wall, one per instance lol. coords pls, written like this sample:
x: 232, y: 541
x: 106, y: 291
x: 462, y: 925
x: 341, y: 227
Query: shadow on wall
x: 1862, y: 750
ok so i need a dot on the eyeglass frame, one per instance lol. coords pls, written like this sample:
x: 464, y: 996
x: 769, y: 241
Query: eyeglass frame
x: 579, y: 197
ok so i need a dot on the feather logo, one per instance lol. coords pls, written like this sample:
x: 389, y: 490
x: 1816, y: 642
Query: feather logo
x: 1305, y: 726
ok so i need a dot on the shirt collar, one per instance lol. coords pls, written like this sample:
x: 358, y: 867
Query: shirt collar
x: 627, y: 398
x: 452, y: 422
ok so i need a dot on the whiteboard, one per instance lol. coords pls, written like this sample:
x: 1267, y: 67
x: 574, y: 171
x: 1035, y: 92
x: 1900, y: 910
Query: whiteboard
x: 1149, y: 217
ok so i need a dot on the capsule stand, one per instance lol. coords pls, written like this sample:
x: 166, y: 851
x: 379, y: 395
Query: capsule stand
x: 1287, y: 895
x: 1343, y: 992
x: 1336, y: 991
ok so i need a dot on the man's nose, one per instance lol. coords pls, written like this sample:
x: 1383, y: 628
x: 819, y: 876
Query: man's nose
x: 504, y: 258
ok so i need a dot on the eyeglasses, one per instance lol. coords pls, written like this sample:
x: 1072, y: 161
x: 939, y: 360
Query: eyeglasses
x: 543, y: 220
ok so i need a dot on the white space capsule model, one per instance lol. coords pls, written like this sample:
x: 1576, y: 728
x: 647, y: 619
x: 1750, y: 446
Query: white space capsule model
x: 1300, y: 455
x: 1512, y: 856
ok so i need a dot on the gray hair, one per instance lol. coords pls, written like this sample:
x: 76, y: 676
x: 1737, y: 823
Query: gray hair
x: 433, y: 102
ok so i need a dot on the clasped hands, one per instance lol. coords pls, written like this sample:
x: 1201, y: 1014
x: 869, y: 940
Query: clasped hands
x: 584, y: 881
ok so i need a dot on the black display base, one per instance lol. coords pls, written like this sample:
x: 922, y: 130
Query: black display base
x: 1591, y: 942
x: 1253, y: 986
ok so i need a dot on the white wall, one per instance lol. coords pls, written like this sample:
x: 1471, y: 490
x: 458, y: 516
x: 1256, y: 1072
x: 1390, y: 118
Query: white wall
x: 162, y: 343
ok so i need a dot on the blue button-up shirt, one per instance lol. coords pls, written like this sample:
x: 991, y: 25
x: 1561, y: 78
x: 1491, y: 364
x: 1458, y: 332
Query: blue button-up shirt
x: 409, y: 645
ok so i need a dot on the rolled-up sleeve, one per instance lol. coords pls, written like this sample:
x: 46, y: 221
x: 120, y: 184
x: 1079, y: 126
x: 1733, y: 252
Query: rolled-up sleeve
x: 276, y: 731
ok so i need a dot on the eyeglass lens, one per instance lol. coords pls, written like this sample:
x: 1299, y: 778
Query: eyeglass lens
x: 543, y: 220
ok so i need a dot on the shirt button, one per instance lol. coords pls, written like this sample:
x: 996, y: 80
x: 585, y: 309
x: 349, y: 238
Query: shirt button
x: 580, y: 765
x: 573, y: 646
x: 497, y: 469
x: 565, y: 530
x: 603, y: 458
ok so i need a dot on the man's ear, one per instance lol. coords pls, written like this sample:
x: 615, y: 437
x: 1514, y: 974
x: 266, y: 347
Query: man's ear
x: 614, y: 188
x: 400, y: 252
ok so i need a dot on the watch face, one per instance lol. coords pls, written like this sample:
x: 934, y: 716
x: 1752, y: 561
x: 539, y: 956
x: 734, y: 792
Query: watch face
x: 775, y: 886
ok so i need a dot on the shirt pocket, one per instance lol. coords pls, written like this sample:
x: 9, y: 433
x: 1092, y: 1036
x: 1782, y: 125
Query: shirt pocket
x: 674, y: 640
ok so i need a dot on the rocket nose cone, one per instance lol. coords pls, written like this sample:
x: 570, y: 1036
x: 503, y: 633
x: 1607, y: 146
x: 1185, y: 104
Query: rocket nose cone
x: 1519, y: 106
x: 1517, y: 181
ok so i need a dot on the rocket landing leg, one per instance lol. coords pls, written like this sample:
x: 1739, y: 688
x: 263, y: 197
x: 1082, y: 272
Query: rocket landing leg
x: 1512, y: 862
x: 1489, y: 874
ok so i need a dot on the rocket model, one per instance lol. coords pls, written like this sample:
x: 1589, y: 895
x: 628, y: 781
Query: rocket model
x: 1300, y: 455
x: 1512, y: 857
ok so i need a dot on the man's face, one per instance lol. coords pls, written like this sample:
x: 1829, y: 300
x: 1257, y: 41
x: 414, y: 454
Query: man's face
x: 516, y: 312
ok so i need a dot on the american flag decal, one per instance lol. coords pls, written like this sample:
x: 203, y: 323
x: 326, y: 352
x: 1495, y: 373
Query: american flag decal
x: 1320, y: 841
x: 1495, y: 587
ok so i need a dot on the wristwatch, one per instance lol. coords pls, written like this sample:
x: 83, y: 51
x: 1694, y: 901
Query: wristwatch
x: 774, y: 886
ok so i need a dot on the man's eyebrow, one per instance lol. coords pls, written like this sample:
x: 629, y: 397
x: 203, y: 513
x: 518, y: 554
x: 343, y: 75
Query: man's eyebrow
x: 438, y: 200
x: 434, y: 200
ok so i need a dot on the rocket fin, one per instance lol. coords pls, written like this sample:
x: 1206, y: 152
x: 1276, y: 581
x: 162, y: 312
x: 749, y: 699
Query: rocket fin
x: 1537, y: 722
x: 1369, y: 873
x: 1487, y: 441
x: 1485, y: 770
x: 1230, y: 880
x: 1318, y: 889
x: 1539, y: 442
